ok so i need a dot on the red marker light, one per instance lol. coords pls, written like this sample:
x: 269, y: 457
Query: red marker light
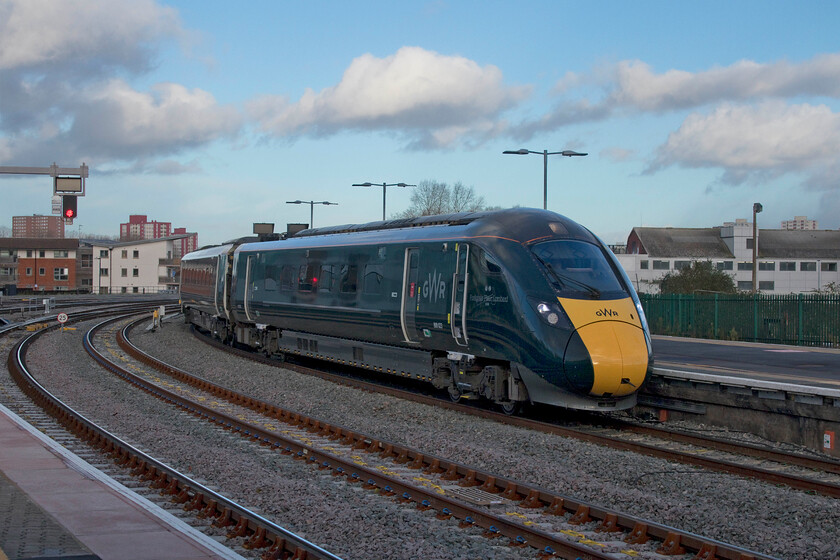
x: 314, y: 280
x: 69, y: 213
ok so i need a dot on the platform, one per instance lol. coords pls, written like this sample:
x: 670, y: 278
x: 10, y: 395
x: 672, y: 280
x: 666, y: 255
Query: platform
x: 56, y: 506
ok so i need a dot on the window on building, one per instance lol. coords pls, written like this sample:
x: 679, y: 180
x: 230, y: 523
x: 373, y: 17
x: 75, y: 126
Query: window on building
x: 724, y: 265
x: 42, y: 271
x: 124, y: 272
x: 767, y: 265
x: 679, y: 265
x: 750, y: 243
x: 61, y: 274
x: 766, y: 285
x: 744, y: 265
x: 828, y: 267
x: 135, y: 290
x: 87, y: 261
x: 125, y: 253
x: 28, y: 254
x: 29, y: 271
x: 808, y: 266
x: 103, y: 254
x: 103, y: 272
x: 661, y: 265
x: 745, y: 285
x: 787, y: 266
x: 123, y: 290
x: 42, y: 254
x: 61, y: 254
x: 644, y: 265
x: 135, y: 254
x: 135, y: 273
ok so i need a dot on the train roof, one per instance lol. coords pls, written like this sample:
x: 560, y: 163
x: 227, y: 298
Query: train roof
x: 522, y: 225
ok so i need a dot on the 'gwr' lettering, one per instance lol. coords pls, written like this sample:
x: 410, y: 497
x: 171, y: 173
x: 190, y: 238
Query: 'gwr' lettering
x: 606, y: 313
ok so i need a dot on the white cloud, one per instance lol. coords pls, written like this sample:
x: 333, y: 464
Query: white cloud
x: 637, y: 86
x: 436, y: 96
x: 38, y: 33
x: 772, y: 138
x: 120, y: 121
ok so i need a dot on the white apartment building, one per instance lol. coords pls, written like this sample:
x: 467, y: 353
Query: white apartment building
x: 140, y: 267
x: 800, y: 222
x: 788, y: 261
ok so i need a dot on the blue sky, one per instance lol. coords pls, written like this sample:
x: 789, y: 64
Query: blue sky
x: 212, y: 115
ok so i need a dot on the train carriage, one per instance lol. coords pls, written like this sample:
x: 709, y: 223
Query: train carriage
x: 514, y: 306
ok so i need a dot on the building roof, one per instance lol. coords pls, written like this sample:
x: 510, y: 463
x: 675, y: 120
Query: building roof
x: 683, y: 242
x: 29, y: 243
x: 798, y: 244
x: 112, y: 243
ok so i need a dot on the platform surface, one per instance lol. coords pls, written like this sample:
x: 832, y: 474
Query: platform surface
x: 54, y: 505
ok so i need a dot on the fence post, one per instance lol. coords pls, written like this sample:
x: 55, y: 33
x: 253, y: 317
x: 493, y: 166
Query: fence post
x: 716, y: 317
x: 755, y: 317
x: 799, y: 341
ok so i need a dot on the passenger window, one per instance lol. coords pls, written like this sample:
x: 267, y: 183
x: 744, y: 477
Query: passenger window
x: 270, y: 283
x: 306, y: 278
x: 326, y: 278
x: 373, y: 279
x: 287, y: 277
x: 348, y: 278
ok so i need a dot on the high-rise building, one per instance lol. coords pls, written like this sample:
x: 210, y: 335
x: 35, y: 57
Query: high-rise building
x: 800, y: 222
x: 139, y: 228
x: 37, y: 226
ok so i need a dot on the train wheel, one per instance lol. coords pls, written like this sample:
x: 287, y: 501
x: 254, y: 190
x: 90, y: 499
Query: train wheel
x: 454, y: 393
x: 510, y: 407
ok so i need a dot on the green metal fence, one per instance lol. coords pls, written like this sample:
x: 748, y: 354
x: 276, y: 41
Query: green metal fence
x: 798, y: 319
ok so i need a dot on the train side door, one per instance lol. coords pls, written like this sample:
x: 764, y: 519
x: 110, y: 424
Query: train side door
x: 458, y: 309
x: 249, y: 286
x: 410, y: 294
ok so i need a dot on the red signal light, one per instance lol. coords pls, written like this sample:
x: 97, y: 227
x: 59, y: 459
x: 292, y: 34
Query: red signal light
x: 69, y: 206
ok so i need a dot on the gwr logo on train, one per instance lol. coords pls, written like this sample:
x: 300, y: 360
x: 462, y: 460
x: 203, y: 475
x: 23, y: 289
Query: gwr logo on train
x: 434, y: 287
x: 606, y: 313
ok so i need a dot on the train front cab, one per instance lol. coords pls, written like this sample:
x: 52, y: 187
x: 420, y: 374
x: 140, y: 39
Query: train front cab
x: 607, y: 357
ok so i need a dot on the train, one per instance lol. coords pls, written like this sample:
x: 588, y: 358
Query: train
x: 517, y: 306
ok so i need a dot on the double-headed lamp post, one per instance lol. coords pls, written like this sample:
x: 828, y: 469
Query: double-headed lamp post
x: 312, y: 204
x: 757, y: 208
x: 384, y: 187
x: 545, y: 154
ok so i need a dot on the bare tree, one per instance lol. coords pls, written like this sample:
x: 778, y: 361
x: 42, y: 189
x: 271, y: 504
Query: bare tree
x: 434, y: 197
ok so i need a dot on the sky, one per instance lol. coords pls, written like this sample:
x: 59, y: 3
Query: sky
x: 212, y: 114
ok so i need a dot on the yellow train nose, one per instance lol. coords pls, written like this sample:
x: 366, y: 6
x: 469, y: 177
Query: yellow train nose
x: 619, y: 357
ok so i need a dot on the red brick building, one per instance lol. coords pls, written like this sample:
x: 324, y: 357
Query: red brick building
x: 39, y: 265
x: 139, y: 227
x: 38, y: 226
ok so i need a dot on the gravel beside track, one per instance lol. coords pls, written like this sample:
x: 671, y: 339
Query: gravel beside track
x: 340, y: 517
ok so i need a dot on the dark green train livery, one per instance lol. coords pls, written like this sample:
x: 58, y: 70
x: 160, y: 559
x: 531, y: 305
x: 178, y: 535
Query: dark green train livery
x: 514, y: 306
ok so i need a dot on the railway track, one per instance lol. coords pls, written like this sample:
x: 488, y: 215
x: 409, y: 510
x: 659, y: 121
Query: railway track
x: 804, y: 472
x: 211, y: 511
x: 554, y: 524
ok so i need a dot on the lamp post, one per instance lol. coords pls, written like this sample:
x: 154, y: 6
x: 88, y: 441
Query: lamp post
x: 545, y: 154
x: 757, y: 208
x: 312, y: 204
x: 384, y: 187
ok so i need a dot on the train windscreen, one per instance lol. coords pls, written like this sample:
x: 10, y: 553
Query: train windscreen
x: 579, y: 269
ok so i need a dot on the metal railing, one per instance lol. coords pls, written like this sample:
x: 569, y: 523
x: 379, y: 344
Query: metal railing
x: 797, y: 319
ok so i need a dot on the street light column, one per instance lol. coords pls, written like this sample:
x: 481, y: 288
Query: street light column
x: 545, y: 179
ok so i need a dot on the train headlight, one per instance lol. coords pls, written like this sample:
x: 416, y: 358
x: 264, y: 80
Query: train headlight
x: 552, y: 314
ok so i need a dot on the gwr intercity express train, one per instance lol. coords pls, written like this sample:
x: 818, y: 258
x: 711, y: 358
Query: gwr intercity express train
x: 514, y: 306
